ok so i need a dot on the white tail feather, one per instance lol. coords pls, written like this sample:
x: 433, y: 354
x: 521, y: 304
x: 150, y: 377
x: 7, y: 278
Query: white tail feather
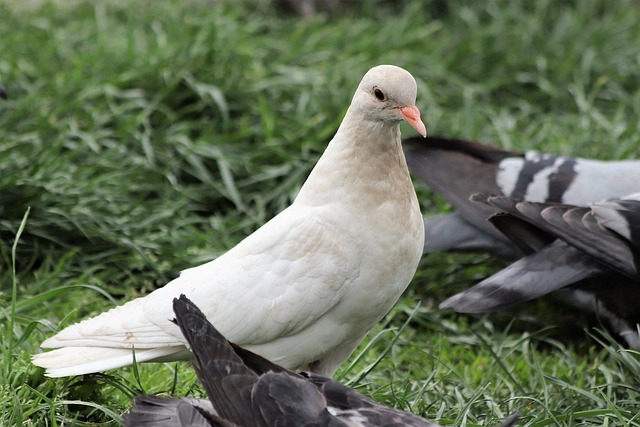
x: 68, y: 361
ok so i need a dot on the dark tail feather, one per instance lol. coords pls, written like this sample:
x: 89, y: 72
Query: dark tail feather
x: 226, y: 379
x: 578, y: 226
x: 156, y: 411
x: 238, y: 394
x: 556, y: 266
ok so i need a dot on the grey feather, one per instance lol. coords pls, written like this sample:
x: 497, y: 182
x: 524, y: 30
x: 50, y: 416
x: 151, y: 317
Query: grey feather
x: 598, y: 251
x: 248, y: 390
x: 455, y: 169
x: 581, y: 228
x: 453, y: 232
x: 593, y: 261
x: 167, y: 412
x: 550, y: 269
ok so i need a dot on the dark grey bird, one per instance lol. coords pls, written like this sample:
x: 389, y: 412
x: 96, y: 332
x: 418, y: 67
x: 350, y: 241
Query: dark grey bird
x: 591, y: 253
x: 247, y: 390
x: 3, y: 92
x: 455, y: 169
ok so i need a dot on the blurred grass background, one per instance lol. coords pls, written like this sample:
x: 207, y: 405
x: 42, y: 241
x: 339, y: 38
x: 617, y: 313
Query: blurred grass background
x: 148, y: 137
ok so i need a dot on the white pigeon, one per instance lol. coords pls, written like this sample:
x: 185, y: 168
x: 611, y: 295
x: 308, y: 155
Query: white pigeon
x: 306, y: 287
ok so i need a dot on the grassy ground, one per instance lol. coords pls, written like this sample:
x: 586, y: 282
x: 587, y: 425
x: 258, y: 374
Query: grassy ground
x: 148, y: 137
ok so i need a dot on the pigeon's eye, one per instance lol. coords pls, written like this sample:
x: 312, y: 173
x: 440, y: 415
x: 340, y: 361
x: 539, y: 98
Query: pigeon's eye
x: 378, y: 93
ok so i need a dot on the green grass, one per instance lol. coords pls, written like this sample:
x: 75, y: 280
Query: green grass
x: 143, y: 138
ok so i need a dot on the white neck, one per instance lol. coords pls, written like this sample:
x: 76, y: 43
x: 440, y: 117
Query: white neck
x: 363, y: 164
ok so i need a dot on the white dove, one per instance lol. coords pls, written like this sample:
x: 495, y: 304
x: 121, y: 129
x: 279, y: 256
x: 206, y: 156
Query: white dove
x: 306, y: 287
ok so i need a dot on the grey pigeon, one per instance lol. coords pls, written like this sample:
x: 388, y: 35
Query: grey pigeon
x: 245, y: 389
x: 591, y: 254
x: 455, y: 169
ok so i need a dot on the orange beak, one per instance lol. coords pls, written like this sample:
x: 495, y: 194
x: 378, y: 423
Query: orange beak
x: 412, y: 116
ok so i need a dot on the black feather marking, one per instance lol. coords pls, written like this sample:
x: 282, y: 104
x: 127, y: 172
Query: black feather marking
x: 525, y: 236
x: 483, y: 152
x: 561, y: 179
x: 528, y: 173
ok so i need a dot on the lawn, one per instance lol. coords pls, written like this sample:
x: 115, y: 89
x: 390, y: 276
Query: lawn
x: 143, y: 138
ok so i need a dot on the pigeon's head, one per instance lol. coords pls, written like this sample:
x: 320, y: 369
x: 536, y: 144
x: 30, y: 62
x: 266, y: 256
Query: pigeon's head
x: 388, y: 93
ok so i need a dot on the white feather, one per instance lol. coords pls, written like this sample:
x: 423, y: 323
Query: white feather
x: 599, y: 180
x: 305, y: 287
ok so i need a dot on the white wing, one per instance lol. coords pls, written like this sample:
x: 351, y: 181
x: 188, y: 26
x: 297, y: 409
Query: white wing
x: 276, y: 282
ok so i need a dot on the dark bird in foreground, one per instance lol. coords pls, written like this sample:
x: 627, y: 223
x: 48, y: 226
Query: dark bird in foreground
x: 594, y: 251
x: 247, y: 390
x: 3, y: 92
x: 455, y: 169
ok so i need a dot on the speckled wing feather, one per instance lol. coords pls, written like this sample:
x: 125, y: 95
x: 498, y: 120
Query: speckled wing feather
x: 590, y: 229
x: 586, y: 247
x: 358, y: 410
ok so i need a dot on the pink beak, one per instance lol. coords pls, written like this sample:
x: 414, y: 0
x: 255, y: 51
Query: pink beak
x: 412, y: 116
